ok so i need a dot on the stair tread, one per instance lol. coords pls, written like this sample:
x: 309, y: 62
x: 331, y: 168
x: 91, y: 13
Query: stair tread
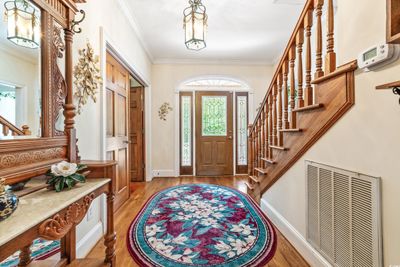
x: 249, y: 186
x: 261, y: 170
x: 307, y: 108
x: 268, y: 160
x: 296, y: 130
x: 255, y: 179
x: 279, y: 147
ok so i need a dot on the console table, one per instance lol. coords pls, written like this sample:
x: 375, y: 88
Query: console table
x: 53, y: 216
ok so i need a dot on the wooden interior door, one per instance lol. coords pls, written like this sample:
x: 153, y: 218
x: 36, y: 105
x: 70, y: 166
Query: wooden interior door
x: 117, y: 93
x: 214, y: 133
x: 136, y: 125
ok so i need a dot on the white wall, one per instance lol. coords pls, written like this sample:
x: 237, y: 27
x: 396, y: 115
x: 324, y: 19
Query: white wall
x: 166, y: 78
x: 366, y: 140
x: 28, y: 96
x: 108, y: 15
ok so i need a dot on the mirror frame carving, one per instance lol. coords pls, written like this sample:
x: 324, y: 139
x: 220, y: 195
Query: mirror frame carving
x: 21, y: 159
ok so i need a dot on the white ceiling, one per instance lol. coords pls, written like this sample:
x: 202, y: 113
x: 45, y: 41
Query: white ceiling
x: 242, y: 31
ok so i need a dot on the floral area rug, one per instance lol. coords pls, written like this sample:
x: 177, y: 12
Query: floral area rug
x: 201, y: 225
x: 40, y: 250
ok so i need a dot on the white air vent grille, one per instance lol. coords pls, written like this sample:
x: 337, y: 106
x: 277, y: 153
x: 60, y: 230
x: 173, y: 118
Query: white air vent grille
x: 344, y: 222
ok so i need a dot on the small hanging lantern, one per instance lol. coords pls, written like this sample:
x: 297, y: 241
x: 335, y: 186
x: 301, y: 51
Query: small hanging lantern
x: 195, y: 25
x: 23, y: 25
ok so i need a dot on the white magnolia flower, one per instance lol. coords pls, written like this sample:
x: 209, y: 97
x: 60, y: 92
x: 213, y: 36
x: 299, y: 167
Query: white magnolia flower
x: 243, y: 229
x: 180, y: 239
x: 152, y: 230
x: 174, y: 205
x: 64, y: 169
x: 209, y: 222
x: 222, y: 247
x: 250, y: 240
x: 155, y: 212
x: 240, y: 246
x: 172, y: 194
x: 218, y: 215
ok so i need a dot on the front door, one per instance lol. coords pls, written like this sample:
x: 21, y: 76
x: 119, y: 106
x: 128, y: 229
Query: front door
x: 136, y: 126
x: 214, y: 133
x: 117, y: 92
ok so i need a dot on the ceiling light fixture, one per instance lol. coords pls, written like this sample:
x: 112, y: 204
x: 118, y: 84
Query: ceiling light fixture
x: 195, y: 25
x: 23, y: 24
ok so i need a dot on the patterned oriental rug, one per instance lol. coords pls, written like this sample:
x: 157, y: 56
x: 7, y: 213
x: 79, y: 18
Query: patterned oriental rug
x: 201, y: 225
x: 40, y: 250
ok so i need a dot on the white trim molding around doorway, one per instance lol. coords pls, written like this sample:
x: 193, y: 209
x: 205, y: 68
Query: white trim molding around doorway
x: 207, y: 83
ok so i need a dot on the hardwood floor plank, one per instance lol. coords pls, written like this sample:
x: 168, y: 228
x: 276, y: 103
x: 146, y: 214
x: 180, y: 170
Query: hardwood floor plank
x: 286, y: 255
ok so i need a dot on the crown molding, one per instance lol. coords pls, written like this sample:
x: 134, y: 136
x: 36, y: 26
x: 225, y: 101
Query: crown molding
x: 132, y: 21
x: 165, y: 61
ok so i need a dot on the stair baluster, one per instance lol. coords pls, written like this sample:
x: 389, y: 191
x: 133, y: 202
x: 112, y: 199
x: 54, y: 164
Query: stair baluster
x: 318, y: 4
x: 308, y: 22
x: 270, y: 130
x: 299, y: 45
x: 285, y: 68
x: 280, y: 108
x: 292, y: 59
x: 275, y: 116
x: 330, y: 59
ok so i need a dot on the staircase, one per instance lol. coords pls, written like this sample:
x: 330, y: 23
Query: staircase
x: 303, y: 101
x: 10, y: 129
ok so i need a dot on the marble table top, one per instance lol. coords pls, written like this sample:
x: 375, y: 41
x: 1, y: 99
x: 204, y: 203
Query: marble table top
x: 38, y: 206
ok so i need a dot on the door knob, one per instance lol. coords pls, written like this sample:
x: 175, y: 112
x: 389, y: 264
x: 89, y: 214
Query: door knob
x: 230, y: 137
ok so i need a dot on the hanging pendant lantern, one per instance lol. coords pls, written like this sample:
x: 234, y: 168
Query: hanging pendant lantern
x: 195, y: 25
x: 23, y: 25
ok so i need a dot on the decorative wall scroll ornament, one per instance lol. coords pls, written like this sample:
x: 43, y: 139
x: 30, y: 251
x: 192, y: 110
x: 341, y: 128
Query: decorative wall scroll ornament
x: 87, y: 76
x: 64, y: 174
x: 58, y: 226
x: 75, y: 23
x: 164, y: 110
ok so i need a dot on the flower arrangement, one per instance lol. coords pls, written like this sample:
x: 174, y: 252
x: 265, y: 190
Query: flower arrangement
x: 88, y: 80
x: 65, y: 174
x: 164, y: 110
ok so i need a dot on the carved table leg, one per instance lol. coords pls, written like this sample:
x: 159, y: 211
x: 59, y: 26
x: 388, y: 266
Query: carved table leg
x: 110, y: 238
x: 25, y: 256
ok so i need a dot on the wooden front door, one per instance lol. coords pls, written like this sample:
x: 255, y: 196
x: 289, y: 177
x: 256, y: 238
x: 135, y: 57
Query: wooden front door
x: 136, y: 133
x: 117, y: 142
x: 214, y: 133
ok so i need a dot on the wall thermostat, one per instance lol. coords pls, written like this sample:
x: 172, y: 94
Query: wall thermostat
x: 378, y: 56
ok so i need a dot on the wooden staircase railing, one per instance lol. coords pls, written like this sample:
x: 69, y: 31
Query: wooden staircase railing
x: 298, y: 110
x: 9, y: 128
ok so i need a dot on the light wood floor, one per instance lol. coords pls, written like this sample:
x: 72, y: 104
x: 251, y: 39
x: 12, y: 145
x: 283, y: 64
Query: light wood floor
x: 285, y: 256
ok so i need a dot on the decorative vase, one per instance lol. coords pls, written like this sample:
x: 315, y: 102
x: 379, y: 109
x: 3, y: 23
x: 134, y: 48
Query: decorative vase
x: 8, y: 202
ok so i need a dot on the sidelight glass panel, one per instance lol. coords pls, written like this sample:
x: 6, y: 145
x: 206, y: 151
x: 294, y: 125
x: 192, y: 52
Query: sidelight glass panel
x: 242, y: 129
x: 186, y: 128
x: 214, y: 115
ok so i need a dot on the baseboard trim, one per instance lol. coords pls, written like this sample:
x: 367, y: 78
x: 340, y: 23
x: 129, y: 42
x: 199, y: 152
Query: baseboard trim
x: 87, y: 242
x: 163, y: 173
x: 294, y: 237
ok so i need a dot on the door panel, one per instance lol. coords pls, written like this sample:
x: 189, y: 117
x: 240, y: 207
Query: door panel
x: 117, y: 93
x: 136, y: 126
x: 214, y: 133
